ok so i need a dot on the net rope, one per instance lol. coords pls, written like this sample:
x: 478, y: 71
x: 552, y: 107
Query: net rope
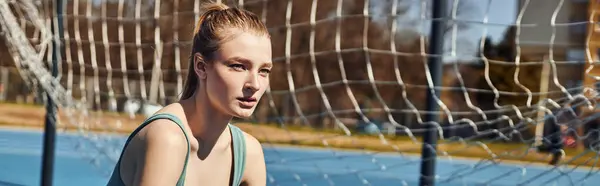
x: 364, y: 89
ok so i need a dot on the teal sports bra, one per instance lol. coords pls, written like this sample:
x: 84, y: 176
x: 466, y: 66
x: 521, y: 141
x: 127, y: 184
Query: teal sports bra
x: 239, y: 152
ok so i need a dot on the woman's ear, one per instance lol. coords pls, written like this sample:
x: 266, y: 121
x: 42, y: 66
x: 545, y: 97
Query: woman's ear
x: 199, y: 66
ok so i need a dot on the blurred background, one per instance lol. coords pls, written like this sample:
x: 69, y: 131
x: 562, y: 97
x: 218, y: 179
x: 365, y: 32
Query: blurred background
x: 348, y: 75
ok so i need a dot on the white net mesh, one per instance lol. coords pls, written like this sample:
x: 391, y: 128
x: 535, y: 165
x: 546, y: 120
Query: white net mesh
x: 348, y: 74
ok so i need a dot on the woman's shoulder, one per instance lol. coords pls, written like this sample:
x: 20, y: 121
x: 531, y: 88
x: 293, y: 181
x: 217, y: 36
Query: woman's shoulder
x: 174, y: 113
x: 164, y: 132
x: 255, y: 163
x: 168, y: 131
x: 253, y: 146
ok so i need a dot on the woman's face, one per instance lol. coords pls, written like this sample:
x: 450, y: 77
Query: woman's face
x: 238, y: 74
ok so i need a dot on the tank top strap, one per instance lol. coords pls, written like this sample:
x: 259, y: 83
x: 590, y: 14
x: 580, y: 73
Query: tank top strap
x: 239, y: 154
x: 173, y: 118
x: 177, y: 121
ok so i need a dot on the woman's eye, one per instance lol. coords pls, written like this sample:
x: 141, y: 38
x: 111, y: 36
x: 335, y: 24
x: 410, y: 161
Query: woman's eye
x: 265, y: 71
x: 237, y: 67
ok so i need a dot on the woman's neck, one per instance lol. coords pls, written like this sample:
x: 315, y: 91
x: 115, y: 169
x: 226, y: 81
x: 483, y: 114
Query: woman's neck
x: 205, y: 121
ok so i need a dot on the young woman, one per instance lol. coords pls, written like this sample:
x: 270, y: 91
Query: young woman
x: 191, y: 142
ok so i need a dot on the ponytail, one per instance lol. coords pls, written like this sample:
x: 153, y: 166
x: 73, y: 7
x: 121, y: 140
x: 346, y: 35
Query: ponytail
x: 192, y: 81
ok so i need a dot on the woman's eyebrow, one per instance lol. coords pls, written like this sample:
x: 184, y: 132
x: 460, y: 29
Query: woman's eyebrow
x: 247, y: 61
x: 239, y: 59
x: 267, y: 64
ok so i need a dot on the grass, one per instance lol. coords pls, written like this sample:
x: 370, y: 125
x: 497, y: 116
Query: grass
x: 32, y: 116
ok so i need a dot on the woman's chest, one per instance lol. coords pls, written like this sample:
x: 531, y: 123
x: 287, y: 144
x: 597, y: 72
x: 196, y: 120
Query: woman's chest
x: 214, y: 171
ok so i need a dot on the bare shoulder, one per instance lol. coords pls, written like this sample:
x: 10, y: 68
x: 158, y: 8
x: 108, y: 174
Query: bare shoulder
x: 253, y: 146
x: 256, y: 173
x: 160, y: 150
x: 164, y: 133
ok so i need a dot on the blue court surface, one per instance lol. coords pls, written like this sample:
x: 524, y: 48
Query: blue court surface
x: 20, y: 161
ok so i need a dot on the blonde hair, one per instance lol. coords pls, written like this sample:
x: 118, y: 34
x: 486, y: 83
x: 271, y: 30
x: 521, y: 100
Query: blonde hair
x: 217, y: 24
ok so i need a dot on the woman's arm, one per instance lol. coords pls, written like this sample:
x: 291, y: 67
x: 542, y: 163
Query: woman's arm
x: 162, y: 161
x: 256, y: 171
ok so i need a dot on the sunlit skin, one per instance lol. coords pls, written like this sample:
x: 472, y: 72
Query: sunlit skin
x: 231, y: 83
x: 239, y: 75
